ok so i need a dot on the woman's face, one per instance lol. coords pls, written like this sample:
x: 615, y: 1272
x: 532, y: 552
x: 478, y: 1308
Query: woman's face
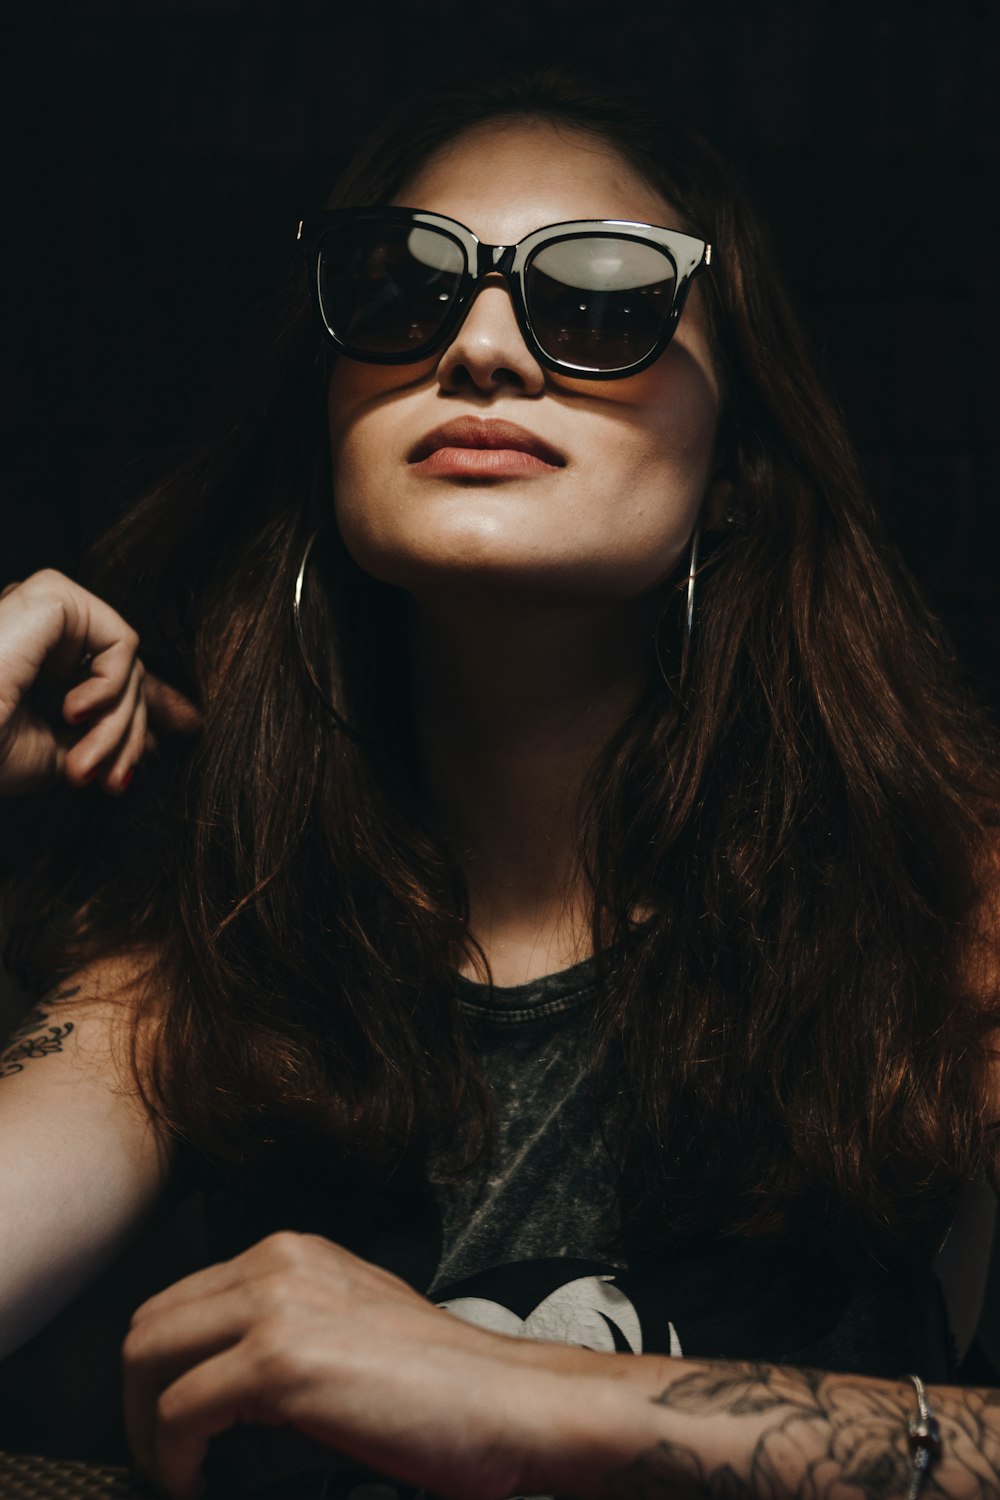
x: 609, y: 520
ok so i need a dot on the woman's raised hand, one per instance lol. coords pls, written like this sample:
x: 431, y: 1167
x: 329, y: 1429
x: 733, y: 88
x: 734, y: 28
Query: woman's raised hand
x: 75, y: 700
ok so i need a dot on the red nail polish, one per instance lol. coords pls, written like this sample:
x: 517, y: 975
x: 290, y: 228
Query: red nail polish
x: 91, y: 774
x: 127, y: 777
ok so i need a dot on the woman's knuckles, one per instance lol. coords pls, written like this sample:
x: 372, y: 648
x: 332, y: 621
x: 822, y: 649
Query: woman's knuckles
x: 129, y: 641
x: 172, y: 1407
x: 283, y: 1247
x: 82, y: 615
x: 55, y: 603
x: 143, y: 1349
x: 279, y: 1293
x: 44, y: 581
x: 278, y: 1359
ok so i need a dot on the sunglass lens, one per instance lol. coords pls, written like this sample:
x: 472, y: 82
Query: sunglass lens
x: 388, y: 288
x: 599, y: 302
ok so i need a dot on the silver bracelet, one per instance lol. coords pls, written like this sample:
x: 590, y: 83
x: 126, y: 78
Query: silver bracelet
x: 925, y: 1438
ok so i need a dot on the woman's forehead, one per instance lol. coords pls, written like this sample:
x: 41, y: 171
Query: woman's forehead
x: 504, y: 178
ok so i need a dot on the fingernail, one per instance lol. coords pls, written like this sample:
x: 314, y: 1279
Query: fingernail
x: 91, y: 774
x: 127, y: 777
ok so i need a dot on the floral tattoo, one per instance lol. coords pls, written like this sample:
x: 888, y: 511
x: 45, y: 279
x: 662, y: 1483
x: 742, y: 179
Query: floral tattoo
x: 26, y: 1041
x: 816, y: 1436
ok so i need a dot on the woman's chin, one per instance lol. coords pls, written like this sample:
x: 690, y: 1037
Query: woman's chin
x: 496, y: 574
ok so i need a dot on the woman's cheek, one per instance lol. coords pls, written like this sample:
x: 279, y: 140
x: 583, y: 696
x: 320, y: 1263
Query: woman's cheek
x: 361, y: 529
x: 361, y: 487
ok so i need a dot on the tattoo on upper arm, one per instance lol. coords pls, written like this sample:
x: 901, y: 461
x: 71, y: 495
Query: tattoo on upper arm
x: 816, y: 1435
x: 27, y: 1041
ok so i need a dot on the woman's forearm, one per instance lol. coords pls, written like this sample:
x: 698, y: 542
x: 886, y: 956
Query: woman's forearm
x: 626, y: 1428
x: 298, y: 1333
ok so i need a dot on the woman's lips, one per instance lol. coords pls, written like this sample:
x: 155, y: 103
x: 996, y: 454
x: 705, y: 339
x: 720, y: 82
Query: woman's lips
x: 484, y: 448
x: 484, y: 463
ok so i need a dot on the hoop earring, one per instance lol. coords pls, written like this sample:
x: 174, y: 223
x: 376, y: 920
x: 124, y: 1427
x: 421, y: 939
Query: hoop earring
x: 688, y: 614
x: 300, y: 576
x: 692, y: 571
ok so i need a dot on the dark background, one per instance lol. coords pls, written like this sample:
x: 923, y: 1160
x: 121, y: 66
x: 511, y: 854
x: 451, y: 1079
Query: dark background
x: 157, y: 157
x: 163, y: 152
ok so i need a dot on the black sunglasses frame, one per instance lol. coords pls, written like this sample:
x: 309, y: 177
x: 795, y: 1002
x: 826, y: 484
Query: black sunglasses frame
x: 687, y: 254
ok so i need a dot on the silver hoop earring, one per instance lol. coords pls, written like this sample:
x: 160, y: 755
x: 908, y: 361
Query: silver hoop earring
x: 688, y: 613
x: 692, y: 571
x: 300, y: 577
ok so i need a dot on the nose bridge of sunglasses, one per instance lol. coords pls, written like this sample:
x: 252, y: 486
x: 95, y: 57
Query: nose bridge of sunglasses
x: 492, y: 269
x: 491, y: 258
x: 497, y: 280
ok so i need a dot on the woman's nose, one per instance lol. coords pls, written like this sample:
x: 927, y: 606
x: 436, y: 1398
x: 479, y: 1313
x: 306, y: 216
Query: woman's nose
x: 488, y: 350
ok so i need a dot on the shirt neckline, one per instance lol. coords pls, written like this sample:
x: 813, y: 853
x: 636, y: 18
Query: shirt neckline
x: 542, y: 994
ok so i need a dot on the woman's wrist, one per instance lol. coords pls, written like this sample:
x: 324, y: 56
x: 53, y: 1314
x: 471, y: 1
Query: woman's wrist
x: 597, y: 1426
x: 584, y: 1415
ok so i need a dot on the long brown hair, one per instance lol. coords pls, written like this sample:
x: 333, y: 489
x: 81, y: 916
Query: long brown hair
x: 805, y: 801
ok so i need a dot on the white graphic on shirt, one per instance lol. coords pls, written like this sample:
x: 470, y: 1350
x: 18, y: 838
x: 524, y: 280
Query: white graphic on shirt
x: 578, y: 1312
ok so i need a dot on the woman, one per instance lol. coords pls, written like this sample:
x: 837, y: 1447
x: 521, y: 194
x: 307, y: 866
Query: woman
x: 600, y: 685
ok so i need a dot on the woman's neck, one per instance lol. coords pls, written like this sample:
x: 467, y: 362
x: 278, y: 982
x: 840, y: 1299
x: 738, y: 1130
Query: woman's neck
x: 512, y: 706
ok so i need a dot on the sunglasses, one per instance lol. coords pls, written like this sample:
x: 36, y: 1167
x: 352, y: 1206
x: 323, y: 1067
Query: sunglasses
x: 594, y: 298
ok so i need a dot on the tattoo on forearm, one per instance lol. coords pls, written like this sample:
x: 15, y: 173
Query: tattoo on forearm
x: 811, y: 1434
x: 26, y: 1042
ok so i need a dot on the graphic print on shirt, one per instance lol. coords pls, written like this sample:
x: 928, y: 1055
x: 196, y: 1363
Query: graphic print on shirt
x: 560, y: 1301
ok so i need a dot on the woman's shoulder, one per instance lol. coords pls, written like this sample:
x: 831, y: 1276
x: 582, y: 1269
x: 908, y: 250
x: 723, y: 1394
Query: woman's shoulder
x: 110, y: 1005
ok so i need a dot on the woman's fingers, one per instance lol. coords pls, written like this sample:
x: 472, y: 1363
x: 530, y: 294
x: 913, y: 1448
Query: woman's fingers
x: 100, y: 747
x: 205, y: 1282
x: 49, y: 620
x: 205, y: 1401
x: 30, y: 757
x: 272, y: 1260
x: 116, y: 773
x: 187, y: 1322
x: 160, y: 1350
x: 108, y: 674
x: 245, y: 1391
x: 113, y: 743
x: 204, y: 1314
x: 51, y: 628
